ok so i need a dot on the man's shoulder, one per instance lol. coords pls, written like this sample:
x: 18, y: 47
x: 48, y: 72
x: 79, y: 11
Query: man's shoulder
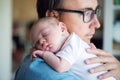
x: 37, y: 69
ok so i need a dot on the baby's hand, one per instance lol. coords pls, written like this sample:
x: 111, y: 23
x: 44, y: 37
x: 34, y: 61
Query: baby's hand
x: 37, y: 53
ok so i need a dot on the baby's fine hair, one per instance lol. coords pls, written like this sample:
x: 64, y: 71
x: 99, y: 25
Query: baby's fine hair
x: 45, y: 20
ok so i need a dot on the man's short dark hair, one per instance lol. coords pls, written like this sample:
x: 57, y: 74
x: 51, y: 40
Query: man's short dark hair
x: 44, y: 5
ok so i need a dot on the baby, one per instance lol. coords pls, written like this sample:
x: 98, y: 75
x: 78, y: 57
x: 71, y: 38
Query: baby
x: 61, y: 50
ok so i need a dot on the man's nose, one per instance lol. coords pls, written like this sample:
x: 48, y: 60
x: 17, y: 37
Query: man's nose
x: 95, y: 22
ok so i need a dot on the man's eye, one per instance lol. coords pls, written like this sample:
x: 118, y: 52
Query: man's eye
x: 88, y: 13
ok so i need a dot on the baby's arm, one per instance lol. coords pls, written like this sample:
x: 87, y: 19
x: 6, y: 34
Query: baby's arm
x: 57, y: 63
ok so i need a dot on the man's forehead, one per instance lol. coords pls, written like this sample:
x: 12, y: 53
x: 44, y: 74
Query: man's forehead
x: 80, y: 4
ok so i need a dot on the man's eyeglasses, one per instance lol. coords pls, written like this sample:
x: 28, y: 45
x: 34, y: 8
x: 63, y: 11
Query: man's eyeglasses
x: 87, y: 14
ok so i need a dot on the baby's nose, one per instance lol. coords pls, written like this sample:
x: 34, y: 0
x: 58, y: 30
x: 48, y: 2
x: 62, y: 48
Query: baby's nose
x: 42, y: 41
x: 43, y: 44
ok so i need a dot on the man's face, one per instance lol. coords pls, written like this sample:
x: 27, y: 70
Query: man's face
x: 74, y: 21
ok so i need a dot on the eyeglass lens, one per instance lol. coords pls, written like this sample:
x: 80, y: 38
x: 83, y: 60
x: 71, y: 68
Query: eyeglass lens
x: 89, y: 14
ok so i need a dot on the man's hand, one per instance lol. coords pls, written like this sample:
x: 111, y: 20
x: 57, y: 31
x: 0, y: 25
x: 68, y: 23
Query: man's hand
x: 110, y: 63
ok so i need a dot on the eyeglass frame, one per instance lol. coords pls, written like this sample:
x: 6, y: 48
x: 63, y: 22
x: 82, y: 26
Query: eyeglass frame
x: 96, y: 11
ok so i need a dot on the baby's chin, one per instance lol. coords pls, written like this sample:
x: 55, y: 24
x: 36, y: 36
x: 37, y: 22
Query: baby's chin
x: 54, y: 50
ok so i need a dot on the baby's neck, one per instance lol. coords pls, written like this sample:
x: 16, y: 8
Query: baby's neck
x: 65, y: 37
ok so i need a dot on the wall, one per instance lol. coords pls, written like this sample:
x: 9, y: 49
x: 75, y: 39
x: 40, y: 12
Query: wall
x: 5, y: 39
x: 24, y: 10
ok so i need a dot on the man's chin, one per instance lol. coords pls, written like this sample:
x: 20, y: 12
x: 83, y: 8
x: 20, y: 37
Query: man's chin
x: 87, y: 41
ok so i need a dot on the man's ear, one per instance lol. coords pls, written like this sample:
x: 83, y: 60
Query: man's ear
x: 52, y: 13
x: 62, y: 26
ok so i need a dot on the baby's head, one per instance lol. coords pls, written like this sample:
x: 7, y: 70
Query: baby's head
x: 49, y: 34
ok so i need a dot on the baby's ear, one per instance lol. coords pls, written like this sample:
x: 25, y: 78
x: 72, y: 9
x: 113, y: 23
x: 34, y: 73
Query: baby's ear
x: 62, y: 26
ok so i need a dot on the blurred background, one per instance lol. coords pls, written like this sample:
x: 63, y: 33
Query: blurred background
x: 17, y: 17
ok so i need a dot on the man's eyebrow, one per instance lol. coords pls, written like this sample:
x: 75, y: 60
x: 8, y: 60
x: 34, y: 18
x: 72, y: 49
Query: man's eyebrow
x: 89, y: 8
x: 84, y: 9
